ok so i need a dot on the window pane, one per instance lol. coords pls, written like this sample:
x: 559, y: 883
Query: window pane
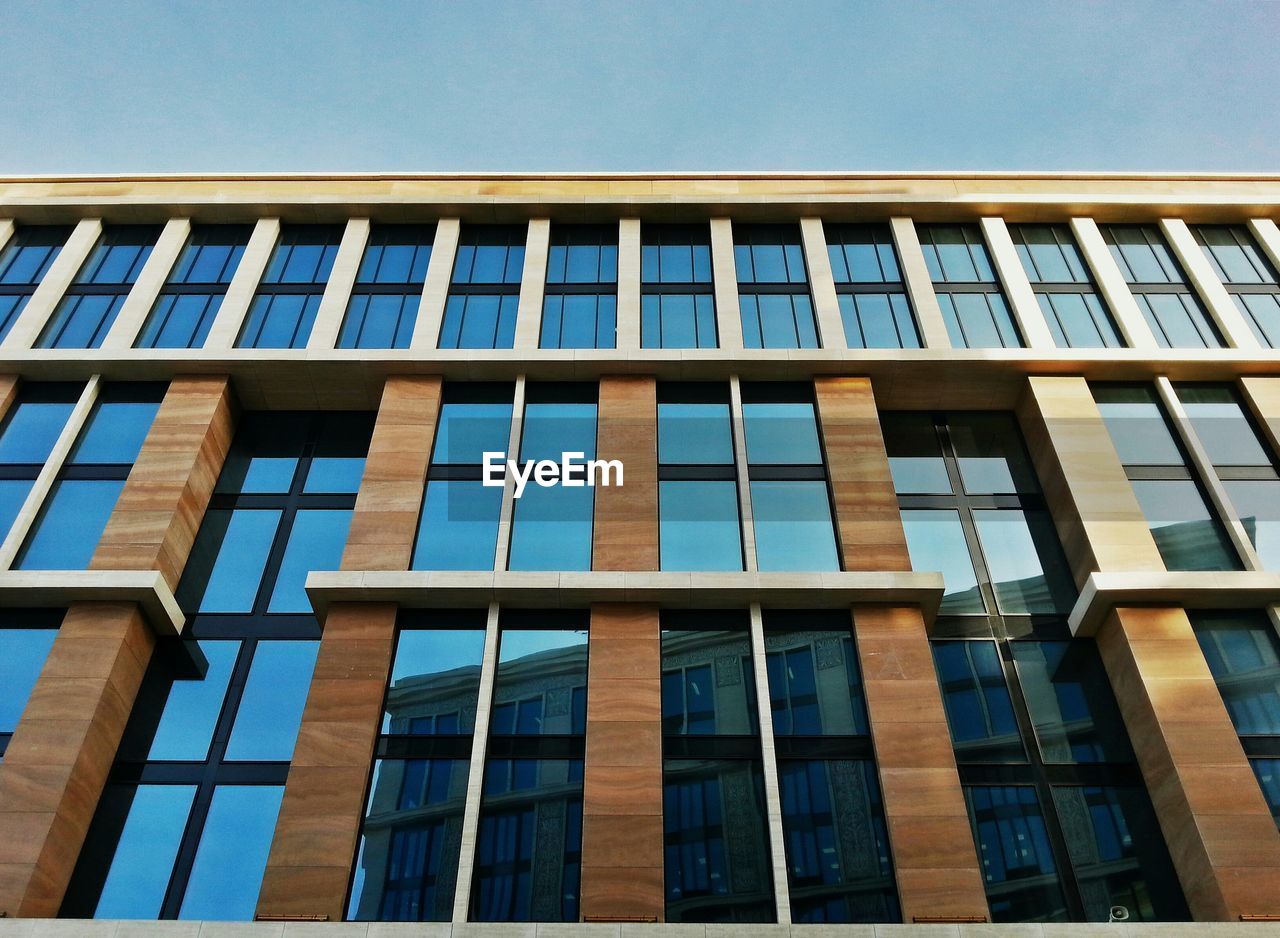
x: 271, y: 709
x: 1071, y: 703
x: 435, y: 682
x: 1028, y: 572
x: 1244, y: 655
x: 781, y: 433
x: 1257, y: 505
x: 31, y: 429
x: 793, y: 526
x: 153, y: 818
x: 115, y: 432
x: 227, y: 874
x: 935, y: 541
x: 458, y: 529
x: 538, y: 671
x: 1186, y: 532
x: 698, y: 526
x: 228, y: 560
x: 718, y: 865
x: 186, y: 687
x: 1017, y: 860
x: 1118, y: 853
x: 990, y: 454
x: 69, y: 528
x: 408, y: 859
x: 1137, y: 426
x: 315, y: 543
x: 694, y: 434
x: 976, y: 697
x: 22, y: 655
x: 468, y: 430
x: 552, y: 529
x: 1268, y: 772
x: 915, y: 454
x: 837, y: 844
x: 814, y: 685
x: 708, y: 683
x: 553, y: 429
x: 1221, y: 426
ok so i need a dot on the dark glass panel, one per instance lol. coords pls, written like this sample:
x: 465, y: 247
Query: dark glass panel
x: 1017, y: 861
x: 70, y: 525
x: 1244, y: 655
x: 915, y: 454
x: 227, y: 563
x: 315, y: 543
x: 979, y: 708
x: 1221, y: 425
x: 435, y: 682
x: 814, y: 685
x: 990, y: 454
x: 1136, y: 422
x: 708, y: 683
x: 936, y: 541
x: 1188, y: 534
x: 538, y: 672
x: 1028, y: 572
x: 139, y: 828
x: 180, y: 702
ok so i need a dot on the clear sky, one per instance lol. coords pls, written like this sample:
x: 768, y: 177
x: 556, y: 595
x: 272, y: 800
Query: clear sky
x: 276, y: 85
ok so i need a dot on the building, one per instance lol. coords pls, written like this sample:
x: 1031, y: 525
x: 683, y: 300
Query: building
x: 941, y: 587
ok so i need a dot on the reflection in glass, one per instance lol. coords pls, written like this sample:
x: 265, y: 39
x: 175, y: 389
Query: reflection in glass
x: 180, y: 701
x: 541, y: 683
x: 1268, y: 772
x: 1028, y: 572
x: 1257, y: 505
x: 270, y: 709
x: 435, y: 682
x: 1017, y: 861
x: 814, y: 685
x: 989, y: 451
x: 915, y: 454
x: 407, y: 867
x: 837, y: 843
x: 1188, y: 534
x: 1221, y: 426
x: 1137, y: 426
x: 149, y: 820
x: 227, y: 873
x: 1243, y: 652
x: 718, y: 866
x: 708, y: 683
x: 976, y: 697
x: 935, y: 541
x: 228, y: 560
x: 1070, y: 701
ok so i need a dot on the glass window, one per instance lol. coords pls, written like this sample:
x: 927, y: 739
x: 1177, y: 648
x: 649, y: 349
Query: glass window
x: 677, y: 298
x: 24, y: 646
x: 270, y: 712
x: 1018, y: 865
x: 1247, y: 274
x: 1174, y: 313
x: 936, y: 541
x: 384, y: 299
x: 1244, y: 655
x: 24, y: 261
x: 915, y: 454
x: 815, y: 688
x: 773, y: 287
x: 1188, y: 535
x: 1268, y: 773
x: 976, y: 696
x: 581, y: 256
x: 781, y: 433
x: 490, y: 254
x: 872, y: 295
x: 480, y: 311
x: 708, y: 683
x: 990, y: 454
x: 315, y: 543
x: 1221, y: 425
x: 1028, y: 572
x: 227, y: 872
x: 523, y: 703
x: 192, y: 296
x: 435, y: 681
x: 284, y: 308
x: 793, y: 526
x: 30, y: 430
x: 184, y: 691
x: 1136, y: 422
x: 1076, y: 314
x: 90, y: 305
x: 973, y: 306
x: 228, y: 561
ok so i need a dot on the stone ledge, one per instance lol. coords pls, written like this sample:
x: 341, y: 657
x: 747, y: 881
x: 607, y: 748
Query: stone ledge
x: 420, y: 589
x: 28, y: 589
x: 1194, y: 589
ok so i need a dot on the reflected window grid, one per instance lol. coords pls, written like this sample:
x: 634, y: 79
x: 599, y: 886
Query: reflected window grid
x: 973, y: 303
x: 773, y: 287
x: 383, y: 308
x: 191, y: 297
x: 580, y: 302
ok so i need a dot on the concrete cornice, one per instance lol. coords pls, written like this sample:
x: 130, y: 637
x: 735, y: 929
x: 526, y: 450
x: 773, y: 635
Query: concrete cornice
x: 37, y: 589
x: 1192, y: 589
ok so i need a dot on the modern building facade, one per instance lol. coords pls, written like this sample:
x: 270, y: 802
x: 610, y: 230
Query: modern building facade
x: 941, y: 585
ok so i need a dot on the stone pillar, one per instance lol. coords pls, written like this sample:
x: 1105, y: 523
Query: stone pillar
x: 1219, y: 830
x: 337, y: 291
x: 915, y: 275
x: 62, y: 751
x: 826, y: 305
x: 724, y: 272
x: 629, y: 283
x: 146, y: 289
x: 533, y: 284
x: 1111, y: 283
x: 625, y: 535
x: 622, y: 861
x: 1017, y: 287
x: 309, y: 866
x: 435, y: 287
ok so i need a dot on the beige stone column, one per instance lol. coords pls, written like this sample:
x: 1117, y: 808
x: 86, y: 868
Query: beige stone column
x: 7, y: 229
x: 435, y: 287
x: 533, y: 284
x: 629, y: 283
x: 146, y: 289
x: 1013, y: 277
x: 58, y: 761
x: 1115, y: 291
x: 1205, y: 280
x: 622, y: 862
x: 314, y: 849
x: 826, y: 305
x: 244, y: 284
x: 1262, y: 397
x: 625, y: 535
x: 337, y: 290
x: 1266, y: 233
x: 26, y: 330
x: 915, y: 274
x: 1218, y: 828
x: 724, y: 273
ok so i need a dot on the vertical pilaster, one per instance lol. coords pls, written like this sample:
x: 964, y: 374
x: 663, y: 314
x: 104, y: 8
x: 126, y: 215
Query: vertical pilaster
x: 769, y: 770
x: 533, y: 284
x: 309, y: 866
x: 1266, y: 233
x: 1217, y: 300
x: 915, y: 274
x: 244, y: 284
x: 7, y: 228
x: 724, y: 273
x: 57, y: 278
x: 142, y: 295
x: 1129, y: 319
x: 622, y: 847
x: 625, y: 535
x: 1262, y: 396
x: 337, y: 291
x: 629, y: 283
x: 823, y: 284
x: 1220, y: 833
x: 1013, y: 277
x: 435, y: 287
x: 57, y: 763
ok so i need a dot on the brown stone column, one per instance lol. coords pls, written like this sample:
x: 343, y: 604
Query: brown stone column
x: 1219, y: 829
x: 622, y: 863
x: 314, y: 849
x: 62, y: 751
x: 8, y: 393
x: 626, y: 516
x: 934, y: 860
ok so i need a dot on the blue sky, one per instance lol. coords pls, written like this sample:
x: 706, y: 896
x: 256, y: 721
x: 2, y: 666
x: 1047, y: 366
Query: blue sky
x: 270, y: 85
